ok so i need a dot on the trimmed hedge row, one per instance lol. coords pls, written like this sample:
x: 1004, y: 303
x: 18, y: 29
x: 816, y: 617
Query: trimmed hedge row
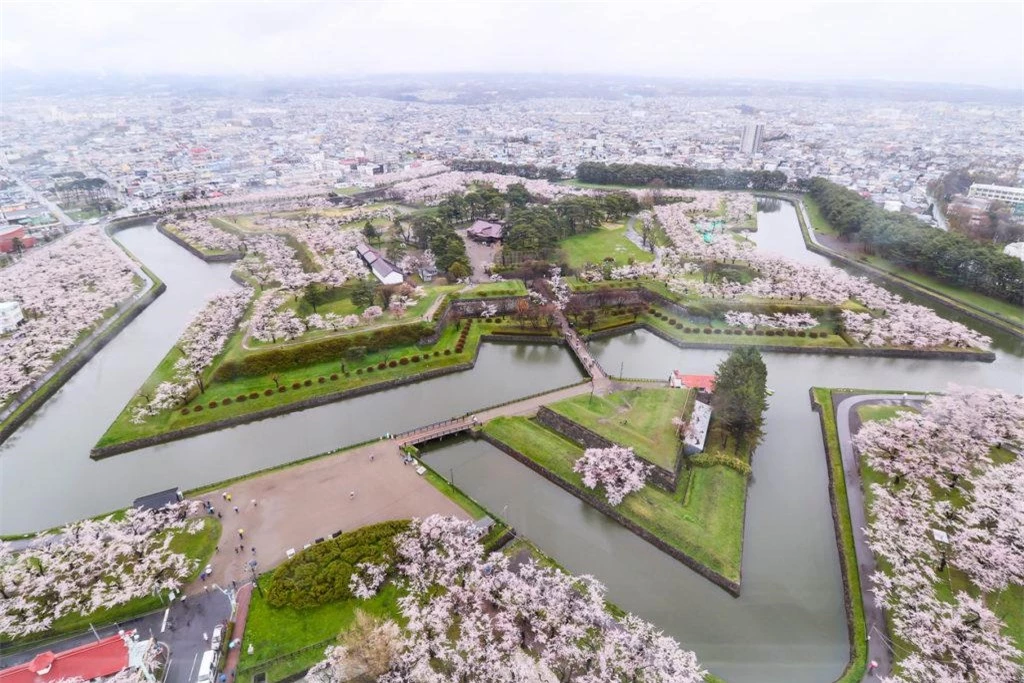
x: 710, y: 459
x: 320, y: 574
x: 329, y: 349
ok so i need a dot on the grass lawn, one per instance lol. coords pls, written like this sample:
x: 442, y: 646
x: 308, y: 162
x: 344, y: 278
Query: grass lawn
x: 296, y: 638
x: 502, y: 288
x: 198, y: 546
x: 1007, y: 605
x: 607, y: 241
x: 312, y: 380
x: 703, y: 519
x: 641, y: 418
x: 696, y: 335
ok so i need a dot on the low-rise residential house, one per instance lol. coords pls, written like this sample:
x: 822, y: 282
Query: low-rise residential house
x: 384, y: 270
x: 486, y: 232
x: 10, y: 316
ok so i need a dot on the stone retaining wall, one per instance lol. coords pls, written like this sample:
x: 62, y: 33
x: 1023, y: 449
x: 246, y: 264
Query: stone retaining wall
x: 920, y: 354
x: 210, y: 258
x: 467, y: 308
x: 586, y: 438
x: 731, y: 587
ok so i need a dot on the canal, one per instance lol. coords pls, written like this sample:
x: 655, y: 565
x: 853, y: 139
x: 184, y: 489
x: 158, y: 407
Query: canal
x: 787, y: 626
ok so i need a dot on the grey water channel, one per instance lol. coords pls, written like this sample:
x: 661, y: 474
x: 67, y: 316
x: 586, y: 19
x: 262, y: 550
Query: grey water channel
x: 47, y: 477
x: 788, y: 626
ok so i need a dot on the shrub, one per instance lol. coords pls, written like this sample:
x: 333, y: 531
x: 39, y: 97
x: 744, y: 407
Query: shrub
x: 381, y: 365
x: 213, y: 404
x: 392, y: 363
x: 717, y: 331
x: 240, y: 399
x: 707, y: 330
x: 812, y: 335
x: 672, y: 321
x: 281, y: 390
x: 198, y: 409
x: 321, y: 380
x: 268, y: 392
x: 254, y: 394
x: 226, y: 402
x: 319, y: 351
x: 296, y: 385
x: 403, y: 361
x: 436, y: 354
x: 801, y: 333
x: 769, y: 333
x: 308, y: 383
x: 369, y: 369
x: 748, y: 332
x: 320, y: 574
x: 711, y: 459
x: 334, y: 376
x: 415, y: 358
x: 790, y: 333
x: 185, y: 411
x: 447, y: 352
x: 359, y: 371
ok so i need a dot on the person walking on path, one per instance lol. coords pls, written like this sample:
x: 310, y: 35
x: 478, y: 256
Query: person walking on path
x: 254, y: 504
x: 224, y: 495
x: 351, y: 495
x: 241, y: 534
x: 236, y: 509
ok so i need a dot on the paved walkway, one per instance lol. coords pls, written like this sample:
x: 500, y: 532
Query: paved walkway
x: 874, y: 617
x: 238, y: 633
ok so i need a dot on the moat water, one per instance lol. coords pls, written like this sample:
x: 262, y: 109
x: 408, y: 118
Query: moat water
x: 789, y: 624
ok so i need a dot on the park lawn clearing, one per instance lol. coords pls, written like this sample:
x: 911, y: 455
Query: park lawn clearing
x: 1008, y: 604
x: 605, y: 242
x: 641, y: 418
x: 703, y: 519
x: 500, y: 288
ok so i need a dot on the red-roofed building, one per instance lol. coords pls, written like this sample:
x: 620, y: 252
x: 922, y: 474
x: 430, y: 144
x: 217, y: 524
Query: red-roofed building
x: 678, y: 380
x: 100, y: 659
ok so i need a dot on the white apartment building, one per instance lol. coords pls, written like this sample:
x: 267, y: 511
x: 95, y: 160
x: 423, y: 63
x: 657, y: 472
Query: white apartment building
x: 1002, y: 193
x: 10, y: 316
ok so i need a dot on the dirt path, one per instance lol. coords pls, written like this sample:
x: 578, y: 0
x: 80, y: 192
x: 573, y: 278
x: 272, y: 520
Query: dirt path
x: 298, y: 504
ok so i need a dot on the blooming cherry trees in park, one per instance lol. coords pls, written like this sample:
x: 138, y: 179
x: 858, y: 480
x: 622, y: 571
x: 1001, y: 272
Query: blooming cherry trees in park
x: 467, y: 616
x: 949, y: 504
x: 64, y: 289
x: 890, y: 322
x: 199, y: 344
x: 92, y: 564
x: 198, y: 231
x: 617, y: 469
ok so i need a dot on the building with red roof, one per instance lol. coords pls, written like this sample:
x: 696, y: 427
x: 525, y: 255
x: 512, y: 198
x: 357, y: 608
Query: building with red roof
x: 100, y: 659
x: 704, y: 383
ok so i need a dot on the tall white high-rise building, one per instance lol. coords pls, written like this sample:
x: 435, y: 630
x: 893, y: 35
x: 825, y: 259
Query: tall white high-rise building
x: 753, y: 134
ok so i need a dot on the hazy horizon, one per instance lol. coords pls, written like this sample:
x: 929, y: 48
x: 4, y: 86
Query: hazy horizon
x: 976, y: 44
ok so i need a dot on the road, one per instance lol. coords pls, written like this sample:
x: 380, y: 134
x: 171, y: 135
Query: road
x: 183, y: 633
x: 874, y: 617
x: 38, y: 196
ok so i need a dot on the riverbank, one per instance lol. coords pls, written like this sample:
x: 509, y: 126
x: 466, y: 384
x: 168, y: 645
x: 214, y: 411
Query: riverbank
x: 91, y: 344
x: 1002, y: 315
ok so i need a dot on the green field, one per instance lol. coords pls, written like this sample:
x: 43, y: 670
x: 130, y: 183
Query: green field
x: 502, y: 288
x: 641, y: 418
x: 704, y: 518
x: 607, y: 241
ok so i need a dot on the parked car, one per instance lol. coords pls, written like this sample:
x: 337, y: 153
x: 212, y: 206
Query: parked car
x: 217, y: 637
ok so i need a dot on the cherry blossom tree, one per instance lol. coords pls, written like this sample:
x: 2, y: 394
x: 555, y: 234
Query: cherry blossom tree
x: 93, y: 564
x: 617, y: 469
x: 468, y: 616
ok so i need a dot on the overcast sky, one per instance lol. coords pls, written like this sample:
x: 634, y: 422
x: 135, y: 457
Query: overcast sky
x: 964, y: 42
